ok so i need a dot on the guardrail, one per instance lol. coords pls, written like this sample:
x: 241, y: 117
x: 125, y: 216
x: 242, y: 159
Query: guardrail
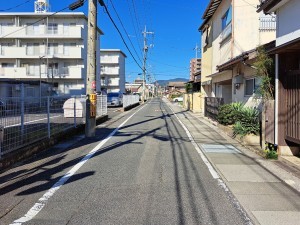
x: 24, y: 121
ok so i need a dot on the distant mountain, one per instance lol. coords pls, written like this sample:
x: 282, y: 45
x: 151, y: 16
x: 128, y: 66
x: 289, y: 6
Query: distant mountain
x: 165, y: 82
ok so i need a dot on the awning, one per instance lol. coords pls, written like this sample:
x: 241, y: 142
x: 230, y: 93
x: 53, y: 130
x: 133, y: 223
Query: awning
x: 291, y: 46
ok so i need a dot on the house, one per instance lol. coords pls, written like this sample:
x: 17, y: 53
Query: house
x: 231, y: 29
x: 287, y: 73
x: 112, y: 70
x: 176, y: 86
x: 44, y: 46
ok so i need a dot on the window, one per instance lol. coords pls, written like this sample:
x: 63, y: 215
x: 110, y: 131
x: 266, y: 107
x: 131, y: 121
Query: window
x: 251, y: 85
x: 205, y: 37
x: 226, y: 19
x: 52, y: 28
x: 67, y: 47
x: 33, y: 70
x: 33, y: 49
x: 52, y: 48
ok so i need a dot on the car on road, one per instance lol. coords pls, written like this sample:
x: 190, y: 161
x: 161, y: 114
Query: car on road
x: 114, y: 99
x: 178, y: 99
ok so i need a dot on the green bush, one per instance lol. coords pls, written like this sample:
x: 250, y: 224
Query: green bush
x: 247, y: 122
x: 271, y: 151
x: 229, y: 113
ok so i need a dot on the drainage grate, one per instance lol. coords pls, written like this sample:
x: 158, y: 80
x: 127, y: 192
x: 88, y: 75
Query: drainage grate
x: 219, y: 148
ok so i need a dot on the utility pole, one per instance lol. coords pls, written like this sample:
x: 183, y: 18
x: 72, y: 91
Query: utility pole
x: 145, y: 50
x: 91, y: 96
x: 197, y: 49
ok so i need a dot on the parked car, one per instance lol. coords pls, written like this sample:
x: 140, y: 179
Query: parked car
x: 114, y: 99
x: 178, y: 99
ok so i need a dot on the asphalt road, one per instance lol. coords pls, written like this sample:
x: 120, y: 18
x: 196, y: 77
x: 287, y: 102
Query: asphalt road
x: 147, y: 171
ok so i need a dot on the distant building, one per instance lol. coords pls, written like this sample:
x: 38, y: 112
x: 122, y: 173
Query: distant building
x: 112, y: 70
x: 195, y: 68
x: 176, y: 86
x: 53, y: 49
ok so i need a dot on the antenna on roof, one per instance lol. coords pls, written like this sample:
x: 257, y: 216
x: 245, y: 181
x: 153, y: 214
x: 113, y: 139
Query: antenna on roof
x: 41, y: 6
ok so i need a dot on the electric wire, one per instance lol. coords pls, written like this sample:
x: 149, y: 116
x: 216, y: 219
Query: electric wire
x: 139, y: 41
x: 14, y: 7
x: 111, y: 19
x: 125, y: 30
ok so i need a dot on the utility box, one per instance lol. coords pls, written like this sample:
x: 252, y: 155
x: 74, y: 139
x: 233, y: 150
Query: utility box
x: 239, y: 79
x: 74, y: 106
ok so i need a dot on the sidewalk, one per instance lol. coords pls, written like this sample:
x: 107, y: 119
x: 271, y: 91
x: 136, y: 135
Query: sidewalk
x: 267, y: 192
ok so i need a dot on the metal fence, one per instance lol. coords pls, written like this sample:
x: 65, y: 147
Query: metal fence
x: 24, y: 121
x: 267, y: 23
x: 129, y: 100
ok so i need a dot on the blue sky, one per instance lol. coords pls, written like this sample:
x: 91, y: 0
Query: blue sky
x: 174, y: 23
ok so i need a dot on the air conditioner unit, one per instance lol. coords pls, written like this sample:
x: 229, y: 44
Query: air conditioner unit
x: 17, y: 88
x: 239, y: 79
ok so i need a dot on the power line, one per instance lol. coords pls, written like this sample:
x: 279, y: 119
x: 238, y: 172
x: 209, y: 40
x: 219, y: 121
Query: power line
x: 14, y: 7
x: 139, y: 41
x: 111, y: 19
x: 125, y: 30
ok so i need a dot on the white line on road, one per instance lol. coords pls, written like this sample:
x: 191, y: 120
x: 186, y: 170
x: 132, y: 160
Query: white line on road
x: 205, y: 160
x: 43, y: 200
x: 32, y: 121
x: 213, y: 172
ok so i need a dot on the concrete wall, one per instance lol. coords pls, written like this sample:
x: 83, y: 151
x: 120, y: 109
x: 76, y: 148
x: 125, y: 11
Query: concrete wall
x: 288, y: 26
x: 221, y: 53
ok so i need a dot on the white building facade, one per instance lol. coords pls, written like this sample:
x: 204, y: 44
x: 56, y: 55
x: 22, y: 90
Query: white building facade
x: 112, y: 70
x: 46, y: 47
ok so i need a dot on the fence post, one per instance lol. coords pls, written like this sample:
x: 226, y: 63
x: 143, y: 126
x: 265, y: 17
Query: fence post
x: 48, y: 117
x: 75, y: 112
x: 1, y: 139
x: 205, y: 106
x: 22, y: 109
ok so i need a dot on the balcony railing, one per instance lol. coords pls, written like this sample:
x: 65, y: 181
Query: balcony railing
x: 17, y: 32
x: 267, y: 23
x: 226, y: 32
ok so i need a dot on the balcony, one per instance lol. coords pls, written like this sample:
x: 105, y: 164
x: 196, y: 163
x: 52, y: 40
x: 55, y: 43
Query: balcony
x: 267, y: 23
x: 20, y: 32
x: 13, y: 73
x: 226, y: 33
x: 24, y: 52
x: 66, y: 72
x: 112, y: 71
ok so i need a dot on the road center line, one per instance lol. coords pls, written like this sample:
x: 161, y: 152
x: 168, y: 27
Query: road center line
x: 43, y: 200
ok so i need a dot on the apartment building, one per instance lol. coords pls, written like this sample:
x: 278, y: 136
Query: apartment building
x: 195, y: 67
x: 231, y: 30
x: 43, y: 47
x: 112, y: 70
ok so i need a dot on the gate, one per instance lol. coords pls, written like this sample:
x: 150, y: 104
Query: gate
x: 293, y: 106
x: 212, y: 104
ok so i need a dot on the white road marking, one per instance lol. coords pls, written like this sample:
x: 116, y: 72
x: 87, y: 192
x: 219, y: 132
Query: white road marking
x: 204, y: 159
x: 43, y: 200
x: 213, y: 172
x: 32, y: 121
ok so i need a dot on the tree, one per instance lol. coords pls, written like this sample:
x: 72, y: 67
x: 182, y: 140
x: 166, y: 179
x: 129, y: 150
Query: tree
x: 264, y: 68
